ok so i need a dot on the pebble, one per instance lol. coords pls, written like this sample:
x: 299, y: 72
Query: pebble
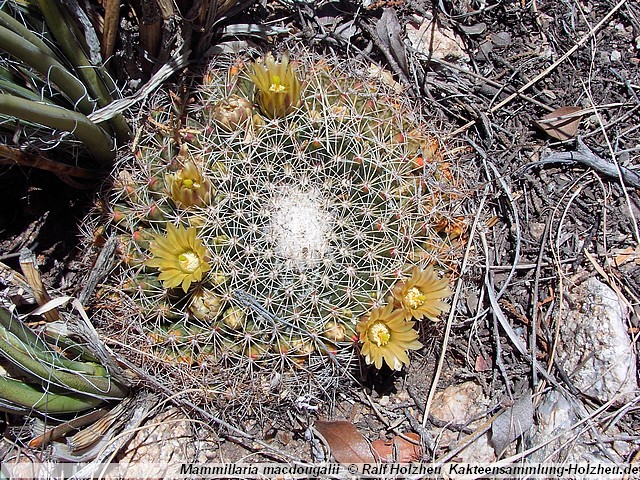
x: 460, y: 405
x: 594, y: 348
x: 435, y: 41
x: 168, y: 438
x: 557, y: 413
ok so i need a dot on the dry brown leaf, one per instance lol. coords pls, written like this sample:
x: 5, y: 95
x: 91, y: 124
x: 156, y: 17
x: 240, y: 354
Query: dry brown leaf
x: 512, y: 423
x: 482, y: 365
x: 560, y: 124
x: 627, y: 255
x: 345, y: 441
x: 383, y: 450
x: 407, y: 451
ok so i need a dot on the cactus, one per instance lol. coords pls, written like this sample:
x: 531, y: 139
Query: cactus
x: 318, y: 197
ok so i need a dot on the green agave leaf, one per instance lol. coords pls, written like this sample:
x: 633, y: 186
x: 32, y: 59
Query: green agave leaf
x: 37, y: 359
x: 11, y: 23
x: 98, y: 143
x: 21, y: 397
x: 62, y: 30
x: 102, y: 387
x: 50, y: 68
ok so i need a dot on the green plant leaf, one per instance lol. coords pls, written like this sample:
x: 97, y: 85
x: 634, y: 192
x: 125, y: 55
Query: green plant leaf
x: 50, y: 68
x: 98, y: 143
x: 21, y: 397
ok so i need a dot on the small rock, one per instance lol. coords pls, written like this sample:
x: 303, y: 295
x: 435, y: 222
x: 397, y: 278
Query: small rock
x: 556, y: 413
x: 545, y: 21
x: 501, y: 39
x: 168, y: 438
x: 475, y: 29
x: 605, y: 58
x: 460, y: 404
x: 615, y: 56
x: 624, y: 449
x: 537, y: 230
x: 426, y: 37
x: 594, y: 348
x: 479, y: 452
x: 484, y: 49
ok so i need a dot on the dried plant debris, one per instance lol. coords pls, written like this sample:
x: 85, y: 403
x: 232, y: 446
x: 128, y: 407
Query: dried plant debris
x: 346, y: 443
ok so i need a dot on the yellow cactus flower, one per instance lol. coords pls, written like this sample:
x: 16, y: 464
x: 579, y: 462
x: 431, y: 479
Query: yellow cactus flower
x: 421, y: 295
x: 188, y: 187
x: 180, y: 256
x: 387, y: 335
x: 277, y: 84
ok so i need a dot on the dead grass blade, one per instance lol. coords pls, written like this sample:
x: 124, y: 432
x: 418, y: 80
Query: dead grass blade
x: 454, y: 302
x: 110, y: 27
x: 14, y: 156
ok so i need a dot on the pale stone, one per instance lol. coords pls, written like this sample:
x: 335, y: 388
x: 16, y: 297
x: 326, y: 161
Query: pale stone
x: 594, y: 348
x: 426, y: 37
x: 460, y: 404
x: 557, y: 414
x: 167, y: 437
x: 480, y: 451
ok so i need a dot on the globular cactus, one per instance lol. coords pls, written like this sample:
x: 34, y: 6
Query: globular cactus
x: 283, y: 214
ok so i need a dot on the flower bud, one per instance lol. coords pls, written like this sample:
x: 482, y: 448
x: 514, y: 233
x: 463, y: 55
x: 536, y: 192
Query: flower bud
x: 278, y: 87
x: 234, y: 317
x: 188, y: 187
x: 232, y: 112
x: 205, y: 305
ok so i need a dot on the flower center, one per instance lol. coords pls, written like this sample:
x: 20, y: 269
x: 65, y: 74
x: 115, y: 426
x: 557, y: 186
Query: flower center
x: 276, y: 86
x: 379, y: 334
x: 188, y: 261
x: 414, y: 298
x: 190, y: 184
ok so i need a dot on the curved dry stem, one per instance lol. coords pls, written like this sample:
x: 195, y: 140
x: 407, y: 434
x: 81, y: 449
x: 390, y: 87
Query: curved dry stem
x: 14, y: 156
